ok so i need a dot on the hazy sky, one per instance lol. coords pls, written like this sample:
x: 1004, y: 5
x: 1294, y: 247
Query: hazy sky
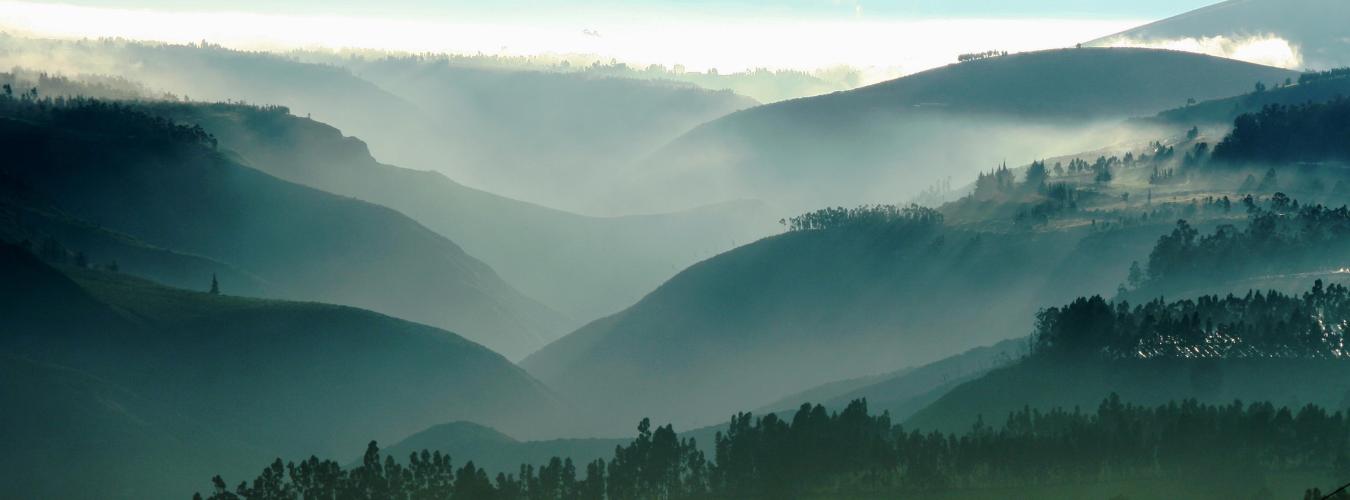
x: 902, y: 35
x: 907, y: 8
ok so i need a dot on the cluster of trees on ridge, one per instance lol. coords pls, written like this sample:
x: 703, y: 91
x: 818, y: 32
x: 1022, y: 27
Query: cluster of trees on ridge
x: 99, y: 116
x: 1316, y: 76
x: 1257, y: 325
x: 853, y: 452
x: 975, y: 56
x: 829, y: 218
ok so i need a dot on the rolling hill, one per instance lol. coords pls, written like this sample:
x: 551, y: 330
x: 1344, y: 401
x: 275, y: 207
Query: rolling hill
x: 552, y: 138
x: 65, y: 421
x: 1253, y: 346
x: 1315, y: 28
x: 558, y: 139
x: 770, y: 319
x: 888, y: 141
x: 150, y: 387
x: 584, y: 266
x: 905, y: 392
x: 1043, y: 385
x: 111, y: 167
x: 1223, y: 111
x: 498, y: 452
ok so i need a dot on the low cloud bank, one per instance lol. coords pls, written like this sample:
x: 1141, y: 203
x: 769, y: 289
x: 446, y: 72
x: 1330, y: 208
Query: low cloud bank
x: 1269, y: 50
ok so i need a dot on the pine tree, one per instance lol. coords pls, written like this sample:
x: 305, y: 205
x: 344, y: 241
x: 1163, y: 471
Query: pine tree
x: 215, y: 285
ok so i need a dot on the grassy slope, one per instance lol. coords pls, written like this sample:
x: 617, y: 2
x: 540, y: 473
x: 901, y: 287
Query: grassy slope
x: 1223, y: 111
x: 307, y: 243
x: 1045, y: 384
x: 555, y: 138
x: 583, y: 266
x: 893, y: 137
x: 498, y: 452
x: 766, y: 320
x: 72, y: 435
x: 216, y: 382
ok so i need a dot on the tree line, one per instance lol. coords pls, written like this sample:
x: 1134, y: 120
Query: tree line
x: 1311, y: 132
x: 99, y: 116
x: 816, y: 453
x: 1280, y: 237
x: 1317, y: 76
x: 975, y: 56
x: 1255, y: 325
x: 835, y: 217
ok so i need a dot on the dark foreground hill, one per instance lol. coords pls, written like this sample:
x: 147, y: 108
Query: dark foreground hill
x: 109, y: 167
x: 892, y: 139
x: 583, y: 266
x: 138, y: 386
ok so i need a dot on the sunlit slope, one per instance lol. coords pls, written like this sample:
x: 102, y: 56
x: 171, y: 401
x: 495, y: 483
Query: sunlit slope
x: 773, y: 318
x: 584, y: 266
x: 1314, y: 28
x: 890, y: 140
x: 178, y: 383
x: 107, y: 167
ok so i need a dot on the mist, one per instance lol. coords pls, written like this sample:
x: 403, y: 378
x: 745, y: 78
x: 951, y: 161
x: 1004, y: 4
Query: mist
x: 695, y: 250
x: 1269, y: 50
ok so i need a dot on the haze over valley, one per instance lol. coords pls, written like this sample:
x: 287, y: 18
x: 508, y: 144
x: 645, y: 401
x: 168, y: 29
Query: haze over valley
x: 677, y: 250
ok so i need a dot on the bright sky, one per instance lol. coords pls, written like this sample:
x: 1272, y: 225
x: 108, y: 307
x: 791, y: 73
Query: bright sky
x: 901, y: 35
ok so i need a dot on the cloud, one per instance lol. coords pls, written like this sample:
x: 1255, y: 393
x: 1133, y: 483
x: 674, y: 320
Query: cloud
x: 1269, y: 50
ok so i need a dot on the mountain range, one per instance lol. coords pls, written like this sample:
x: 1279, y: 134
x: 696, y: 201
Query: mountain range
x: 888, y: 141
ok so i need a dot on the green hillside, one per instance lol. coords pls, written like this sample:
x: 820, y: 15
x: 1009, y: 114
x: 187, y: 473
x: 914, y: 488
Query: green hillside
x: 497, y: 452
x: 583, y: 266
x: 1309, y: 88
x: 888, y: 141
x: 165, y: 185
x: 907, y: 391
x: 547, y: 137
x: 1257, y: 346
x: 772, y: 318
x: 71, y: 434
x: 109, y: 366
x: 560, y: 139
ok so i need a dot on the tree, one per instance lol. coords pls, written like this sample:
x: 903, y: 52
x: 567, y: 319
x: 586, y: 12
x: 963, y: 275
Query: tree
x: 215, y: 285
x: 1136, y: 277
x: 1036, y: 175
